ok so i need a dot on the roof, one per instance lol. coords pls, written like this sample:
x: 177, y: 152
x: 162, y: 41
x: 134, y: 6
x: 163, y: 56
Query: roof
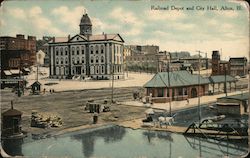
x: 85, y: 20
x: 15, y: 71
x: 7, y: 72
x: 177, y: 78
x: 12, y: 112
x: 242, y: 97
x: 221, y: 78
x: 100, y: 37
x: 36, y: 83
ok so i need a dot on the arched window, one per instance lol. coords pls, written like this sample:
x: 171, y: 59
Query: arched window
x: 102, y: 49
x: 57, y: 51
x: 61, y: 60
x: 57, y: 61
x: 66, y: 50
x: 73, y: 60
x: 97, y: 60
x: 78, y: 60
x: 91, y: 49
x: 102, y: 69
x: 73, y: 51
x: 91, y: 60
x: 96, y: 49
x: 61, y: 51
x: 66, y: 60
x: 102, y: 59
x: 77, y: 50
x: 82, y: 49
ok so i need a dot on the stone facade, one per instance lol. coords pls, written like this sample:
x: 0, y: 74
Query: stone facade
x: 87, y: 55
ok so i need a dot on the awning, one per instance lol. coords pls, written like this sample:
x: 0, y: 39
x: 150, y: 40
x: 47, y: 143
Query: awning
x: 26, y: 69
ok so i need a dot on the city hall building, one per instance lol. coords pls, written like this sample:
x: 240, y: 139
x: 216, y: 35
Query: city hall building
x: 86, y: 55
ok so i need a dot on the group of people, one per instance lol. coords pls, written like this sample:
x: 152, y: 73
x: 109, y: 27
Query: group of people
x: 50, y: 91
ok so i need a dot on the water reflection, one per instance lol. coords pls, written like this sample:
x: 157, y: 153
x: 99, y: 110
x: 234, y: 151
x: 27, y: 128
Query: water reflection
x: 207, y: 146
x: 13, y: 146
x: 160, y: 135
x: 109, y: 134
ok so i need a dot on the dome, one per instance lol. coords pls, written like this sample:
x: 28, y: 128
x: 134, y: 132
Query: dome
x: 85, y: 20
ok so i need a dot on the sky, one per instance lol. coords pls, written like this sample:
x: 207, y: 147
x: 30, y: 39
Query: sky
x: 138, y: 22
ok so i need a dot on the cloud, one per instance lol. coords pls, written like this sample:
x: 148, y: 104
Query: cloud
x: 159, y: 15
x: 125, y: 17
x: 17, y: 13
x: 99, y: 25
x: 71, y: 17
x: 227, y: 13
x: 38, y: 24
x: 2, y: 23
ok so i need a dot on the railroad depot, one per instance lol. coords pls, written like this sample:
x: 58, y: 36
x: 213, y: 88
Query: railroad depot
x: 182, y: 85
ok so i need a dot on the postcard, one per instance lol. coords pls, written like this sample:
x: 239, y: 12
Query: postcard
x: 124, y: 79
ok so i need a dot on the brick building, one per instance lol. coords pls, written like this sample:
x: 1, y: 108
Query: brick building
x: 219, y: 67
x: 238, y: 66
x: 180, y: 86
x: 17, y: 51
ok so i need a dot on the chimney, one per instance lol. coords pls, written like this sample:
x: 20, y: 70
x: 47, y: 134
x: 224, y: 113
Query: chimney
x: 53, y: 39
x: 105, y: 35
x: 68, y: 37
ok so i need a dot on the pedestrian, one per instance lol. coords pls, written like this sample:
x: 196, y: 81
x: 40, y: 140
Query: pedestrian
x: 50, y: 91
x: 187, y: 101
x: 53, y: 91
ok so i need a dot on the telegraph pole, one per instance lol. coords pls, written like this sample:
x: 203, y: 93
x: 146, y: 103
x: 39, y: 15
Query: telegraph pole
x: 170, y: 110
x: 199, y: 108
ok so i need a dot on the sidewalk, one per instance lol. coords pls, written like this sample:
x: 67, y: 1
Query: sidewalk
x: 177, y: 105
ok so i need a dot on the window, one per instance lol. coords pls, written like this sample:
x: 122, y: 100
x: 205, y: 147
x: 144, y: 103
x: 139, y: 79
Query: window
x: 91, y: 50
x: 73, y: 51
x: 73, y: 60
x: 78, y: 60
x: 66, y: 51
x: 102, y: 69
x: 66, y: 60
x: 61, y: 60
x: 83, y: 60
x: 61, y: 51
x: 77, y: 50
x: 82, y: 50
x: 102, y: 49
x: 82, y: 70
x: 57, y: 61
x: 102, y: 59
x: 57, y: 51
x: 97, y: 60
x: 91, y: 60
x: 96, y: 49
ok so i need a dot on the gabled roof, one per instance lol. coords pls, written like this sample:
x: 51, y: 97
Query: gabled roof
x: 221, y: 79
x: 101, y: 37
x: 36, y: 83
x: 177, y: 79
x: 74, y: 38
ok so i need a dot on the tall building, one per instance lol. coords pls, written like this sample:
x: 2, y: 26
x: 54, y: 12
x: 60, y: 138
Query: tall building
x: 238, y: 66
x: 17, y: 51
x: 219, y: 67
x: 86, y: 55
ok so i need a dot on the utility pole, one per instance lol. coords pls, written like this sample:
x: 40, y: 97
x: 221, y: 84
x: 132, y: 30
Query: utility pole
x: 225, y: 83
x: 199, y: 108
x: 112, y: 83
x: 170, y: 110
